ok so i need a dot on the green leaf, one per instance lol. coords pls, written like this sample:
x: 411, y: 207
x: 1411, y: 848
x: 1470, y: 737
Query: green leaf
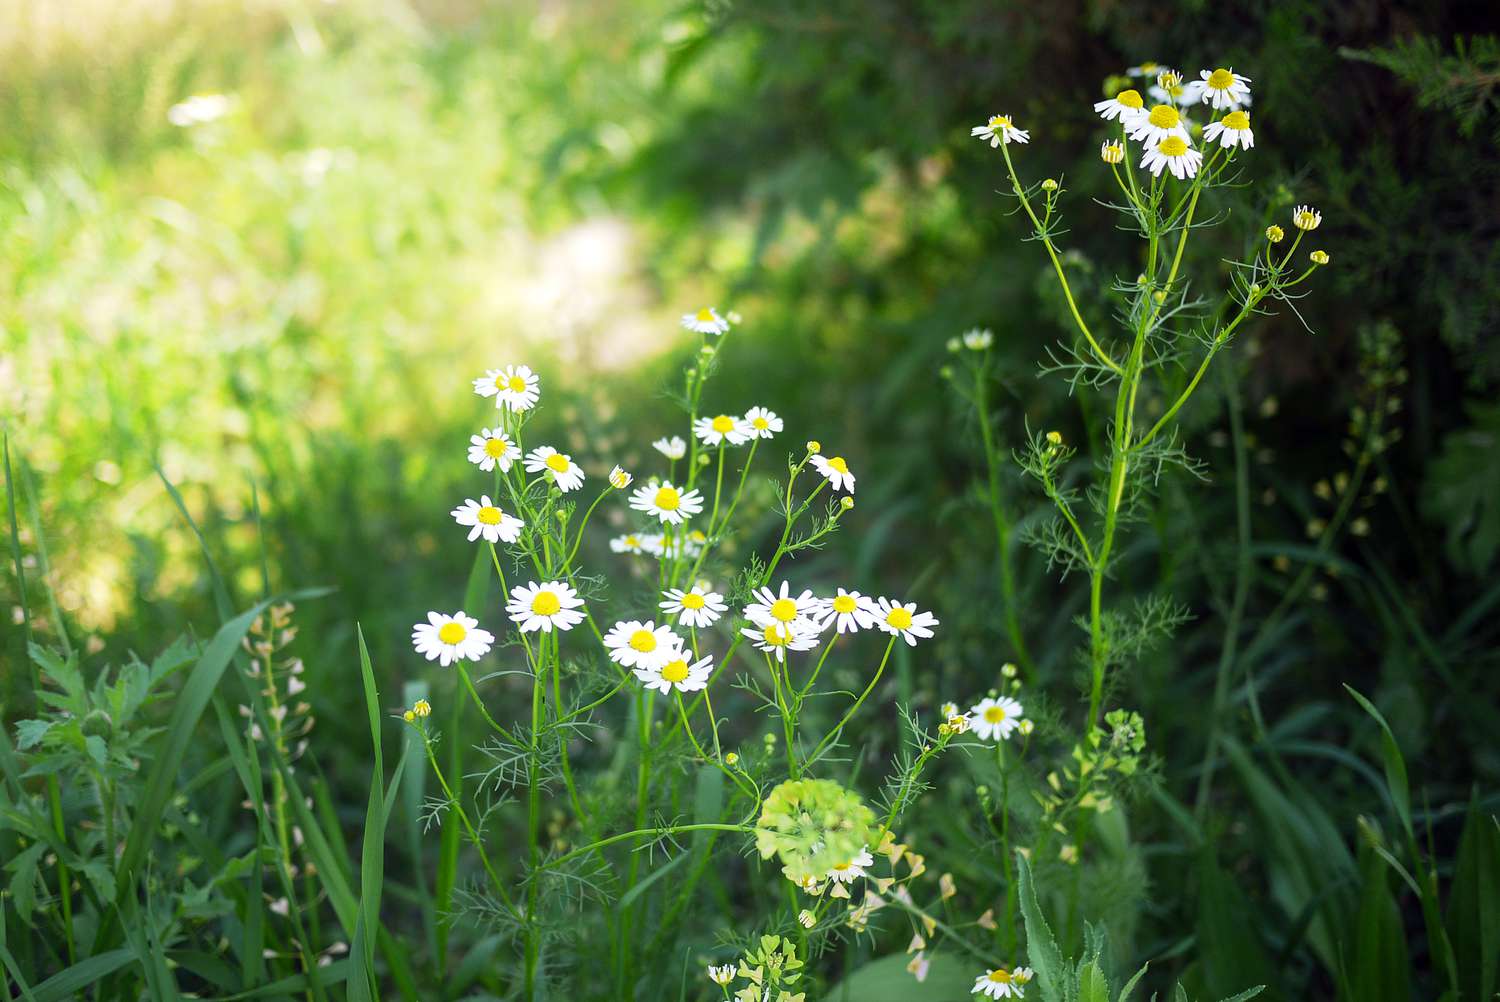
x: 1229, y: 950
x: 1463, y: 490
x: 1473, y: 918
x: 23, y: 879
x: 1041, y: 946
x: 1380, y: 970
x: 67, y: 984
x: 1395, y: 765
x: 372, y: 855
x: 886, y: 980
x: 1092, y: 987
x: 1130, y: 985
x: 29, y: 733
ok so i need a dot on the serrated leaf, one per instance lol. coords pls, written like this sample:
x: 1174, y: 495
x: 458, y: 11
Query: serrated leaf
x: 1041, y: 946
x: 23, y: 879
x: 29, y: 733
x: 1091, y: 984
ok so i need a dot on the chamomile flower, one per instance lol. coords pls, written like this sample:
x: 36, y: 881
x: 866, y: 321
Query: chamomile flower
x: 514, y: 386
x: 705, y: 321
x: 635, y: 644
x: 777, y: 638
x: 1305, y: 217
x: 1174, y: 154
x: 631, y: 542
x: 762, y: 423
x: 948, y: 710
x: 672, y: 448
x: 1220, y: 88
x: 567, y: 474
x: 849, y: 611
x: 492, y: 448
x: 487, y: 520
x: 446, y: 639
x: 720, y: 429
x: 697, y: 607
x: 1160, y: 122
x: 667, y: 503
x: 978, y: 338
x: 1231, y: 131
x: 619, y: 479
x: 721, y: 975
x: 1147, y: 70
x: 999, y: 984
x: 1111, y: 152
x: 1126, y: 106
x: 847, y: 873
x: 994, y: 719
x: 678, y: 671
x: 903, y: 620
x: 799, y: 611
x: 544, y: 606
x: 1000, y: 129
x: 836, y: 471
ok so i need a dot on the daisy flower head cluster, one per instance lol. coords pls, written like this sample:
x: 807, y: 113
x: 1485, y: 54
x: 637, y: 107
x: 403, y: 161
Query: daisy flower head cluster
x: 996, y: 717
x: 784, y: 620
x: 1003, y: 983
x: 657, y: 656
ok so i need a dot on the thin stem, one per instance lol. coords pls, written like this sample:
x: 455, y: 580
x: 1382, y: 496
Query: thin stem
x: 833, y: 734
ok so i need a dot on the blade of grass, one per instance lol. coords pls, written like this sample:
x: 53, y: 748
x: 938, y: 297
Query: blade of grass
x: 372, y: 856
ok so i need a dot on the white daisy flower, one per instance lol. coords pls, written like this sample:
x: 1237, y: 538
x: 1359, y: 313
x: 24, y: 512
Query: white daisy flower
x: 721, y: 975
x: 544, y: 606
x: 629, y: 543
x: 1231, y: 131
x: 1000, y: 129
x: 485, y: 519
x: 668, y: 503
x: 722, y: 428
x: 446, y: 639
x: 836, y: 471
x: 514, y: 386
x: 1173, y: 92
x: 698, y: 607
x: 978, y: 339
x: 678, y: 672
x: 672, y: 448
x: 778, y: 638
x: 1125, y: 106
x: 799, y: 612
x: 948, y: 710
x: 1157, y: 124
x: 903, y: 620
x: 848, y: 610
x: 1147, y: 70
x: 492, y: 448
x: 654, y: 544
x: 1174, y: 154
x: 706, y: 321
x: 1111, y: 152
x: 995, y: 719
x: 762, y: 423
x: 567, y: 474
x: 619, y: 479
x: 1305, y: 217
x: 1221, y: 88
x: 635, y: 644
x: 1000, y: 984
x: 847, y: 873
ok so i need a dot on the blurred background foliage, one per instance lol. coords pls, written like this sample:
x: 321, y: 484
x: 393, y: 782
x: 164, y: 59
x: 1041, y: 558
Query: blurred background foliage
x: 280, y: 308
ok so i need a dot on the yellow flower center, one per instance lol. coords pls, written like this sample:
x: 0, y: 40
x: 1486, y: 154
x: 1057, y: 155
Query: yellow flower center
x: 1000, y: 122
x: 675, y: 671
x: 899, y: 618
x: 844, y: 603
x: 761, y: 423
x: 1172, y: 146
x: 494, y: 447
x: 774, y: 636
x: 1164, y: 116
x: 558, y: 463
x: 1131, y: 99
x: 837, y: 463
x: 451, y: 633
x: 1000, y: 977
x: 516, y: 384
x: 994, y: 714
x: 1149, y: 69
x: 545, y: 604
x: 692, y: 600
x: 489, y: 515
x: 643, y: 641
x: 723, y: 423
x: 667, y: 499
x: 784, y: 609
x: 705, y: 316
x: 1220, y: 79
x: 841, y: 867
x: 1236, y: 120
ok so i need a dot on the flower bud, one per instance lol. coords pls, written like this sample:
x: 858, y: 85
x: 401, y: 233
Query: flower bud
x: 409, y: 716
x: 846, y: 502
x: 1049, y: 185
x: 1054, y: 438
x: 814, y: 447
x: 733, y: 758
x: 1275, y: 233
x: 1319, y: 257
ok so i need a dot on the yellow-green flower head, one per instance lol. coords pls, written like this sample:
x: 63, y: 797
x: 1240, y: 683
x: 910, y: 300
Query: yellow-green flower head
x: 847, y: 502
x: 1275, y: 233
x: 1305, y: 217
x: 1054, y: 438
x: 1049, y: 185
x: 409, y: 716
x: 1111, y: 153
x: 422, y: 708
x: 1319, y: 257
x: 812, y: 825
x: 814, y: 447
